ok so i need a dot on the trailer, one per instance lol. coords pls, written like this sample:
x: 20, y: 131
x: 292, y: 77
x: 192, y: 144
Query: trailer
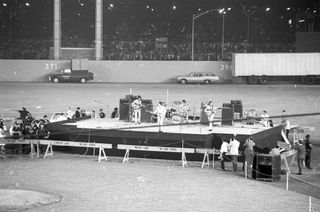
x: 260, y: 68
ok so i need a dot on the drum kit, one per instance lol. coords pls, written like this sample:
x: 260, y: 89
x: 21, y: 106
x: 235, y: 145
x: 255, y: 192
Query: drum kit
x: 177, y: 112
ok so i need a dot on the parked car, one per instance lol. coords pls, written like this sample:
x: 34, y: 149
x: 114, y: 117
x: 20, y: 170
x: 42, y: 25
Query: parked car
x: 58, y: 116
x: 198, y: 77
x: 68, y: 75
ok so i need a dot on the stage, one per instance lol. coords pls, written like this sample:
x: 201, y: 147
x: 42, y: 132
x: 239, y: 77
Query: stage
x: 186, y: 135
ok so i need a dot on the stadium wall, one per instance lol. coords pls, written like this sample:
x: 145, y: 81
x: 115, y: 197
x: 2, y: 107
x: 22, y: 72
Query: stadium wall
x: 114, y: 71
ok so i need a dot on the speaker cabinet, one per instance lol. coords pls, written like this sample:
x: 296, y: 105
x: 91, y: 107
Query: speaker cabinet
x: 147, y: 108
x: 266, y: 167
x: 237, y: 109
x: 227, y: 116
x: 124, y: 109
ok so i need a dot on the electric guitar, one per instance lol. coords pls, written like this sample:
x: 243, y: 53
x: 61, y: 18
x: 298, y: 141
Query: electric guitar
x: 210, y: 111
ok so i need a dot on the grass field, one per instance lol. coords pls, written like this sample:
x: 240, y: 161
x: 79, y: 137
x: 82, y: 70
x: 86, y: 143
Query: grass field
x: 153, y: 186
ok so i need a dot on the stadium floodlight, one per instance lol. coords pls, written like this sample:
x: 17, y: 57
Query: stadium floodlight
x: 249, y: 13
x: 194, y: 17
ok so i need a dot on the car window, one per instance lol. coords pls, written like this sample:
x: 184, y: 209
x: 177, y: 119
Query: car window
x: 200, y: 75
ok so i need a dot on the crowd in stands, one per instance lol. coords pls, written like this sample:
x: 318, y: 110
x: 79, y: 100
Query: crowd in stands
x: 143, y: 50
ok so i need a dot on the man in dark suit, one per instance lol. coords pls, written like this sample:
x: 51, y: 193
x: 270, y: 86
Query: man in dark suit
x: 308, y: 147
x: 300, y: 155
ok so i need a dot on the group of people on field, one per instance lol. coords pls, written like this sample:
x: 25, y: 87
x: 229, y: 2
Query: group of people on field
x: 229, y: 151
x: 25, y: 126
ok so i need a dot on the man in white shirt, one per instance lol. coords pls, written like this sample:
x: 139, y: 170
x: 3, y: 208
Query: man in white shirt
x: 223, y: 152
x: 161, y: 114
x: 265, y: 119
x: 285, y: 123
x: 234, y: 152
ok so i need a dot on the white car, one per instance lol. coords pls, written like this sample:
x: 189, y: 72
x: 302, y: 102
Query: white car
x: 198, y: 77
x: 58, y: 116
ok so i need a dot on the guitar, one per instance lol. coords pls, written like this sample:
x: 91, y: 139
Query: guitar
x: 136, y: 105
x: 210, y: 111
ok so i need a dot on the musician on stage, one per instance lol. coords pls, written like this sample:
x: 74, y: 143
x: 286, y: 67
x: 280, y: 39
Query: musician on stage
x: 184, y: 110
x: 210, y: 109
x: 136, y: 105
x: 161, y: 114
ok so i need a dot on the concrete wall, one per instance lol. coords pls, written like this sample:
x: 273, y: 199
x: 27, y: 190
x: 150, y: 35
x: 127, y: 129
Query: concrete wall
x: 114, y: 71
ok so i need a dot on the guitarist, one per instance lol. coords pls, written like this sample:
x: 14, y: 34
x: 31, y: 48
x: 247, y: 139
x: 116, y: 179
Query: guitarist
x: 161, y: 114
x: 136, y: 105
x: 210, y: 109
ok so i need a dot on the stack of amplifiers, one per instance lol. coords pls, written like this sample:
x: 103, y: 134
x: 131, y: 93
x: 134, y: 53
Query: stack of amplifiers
x: 146, y: 110
x: 237, y: 109
x: 227, y: 114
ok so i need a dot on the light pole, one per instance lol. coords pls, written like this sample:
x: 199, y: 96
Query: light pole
x: 194, y: 17
x: 222, y: 33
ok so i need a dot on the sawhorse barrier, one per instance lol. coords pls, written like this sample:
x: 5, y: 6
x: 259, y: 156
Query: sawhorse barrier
x: 30, y: 142
x: 206, y: 152
x: 155, y: 149
x: 50, y: 143
x: 284, y: 157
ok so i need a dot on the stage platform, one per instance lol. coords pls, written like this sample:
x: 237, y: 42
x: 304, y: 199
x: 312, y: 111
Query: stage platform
x: 192, y: 127
x: 193, y: 134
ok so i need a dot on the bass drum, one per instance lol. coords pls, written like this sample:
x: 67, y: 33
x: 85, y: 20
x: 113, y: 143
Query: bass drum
x: 176, y: 119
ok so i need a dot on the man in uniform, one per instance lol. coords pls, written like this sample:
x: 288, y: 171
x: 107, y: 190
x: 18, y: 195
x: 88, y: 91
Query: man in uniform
x: 308, y: 148
x: 300, y: 155
x: 136, y: 105
x: 249, y: 153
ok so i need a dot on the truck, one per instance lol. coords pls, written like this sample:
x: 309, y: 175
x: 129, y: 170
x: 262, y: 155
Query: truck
x: 77, y: 73
x: 261, y: 68
x: 68, y: 75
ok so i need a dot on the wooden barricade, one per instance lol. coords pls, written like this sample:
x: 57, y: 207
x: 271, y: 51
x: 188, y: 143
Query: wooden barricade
x: 284, y: 157
x: 30, y: 142
x: 155, y: 149
x: 50, y: 143
x: 206, y: 152
x: 1, y: 150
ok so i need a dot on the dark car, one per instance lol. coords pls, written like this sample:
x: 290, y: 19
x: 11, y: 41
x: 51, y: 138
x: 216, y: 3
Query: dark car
x: 67, y: 75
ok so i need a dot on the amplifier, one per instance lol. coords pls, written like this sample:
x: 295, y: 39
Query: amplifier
x: 238, y: 109
x: 147, y: 106
x: 266, y: 167
x: 227, y: 116
x: 124, y: 109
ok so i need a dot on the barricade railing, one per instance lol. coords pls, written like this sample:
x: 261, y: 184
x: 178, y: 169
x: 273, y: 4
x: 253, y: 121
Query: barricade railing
x: 50, y: 143
x: 30, y: 142
x: 181, y: 150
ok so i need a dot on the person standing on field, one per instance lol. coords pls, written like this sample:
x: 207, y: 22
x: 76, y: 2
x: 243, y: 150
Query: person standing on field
x: 308, y: 147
